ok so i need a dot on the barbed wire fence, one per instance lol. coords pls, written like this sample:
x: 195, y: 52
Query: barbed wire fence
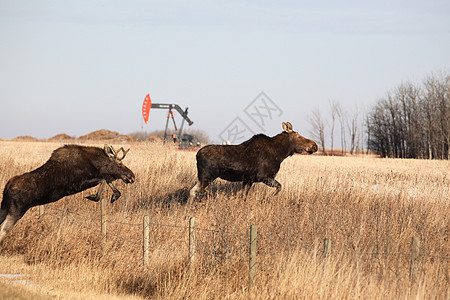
x: 219, y: 248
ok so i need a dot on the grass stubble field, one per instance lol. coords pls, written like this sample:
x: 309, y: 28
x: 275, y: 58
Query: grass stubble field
x: 368, y: 207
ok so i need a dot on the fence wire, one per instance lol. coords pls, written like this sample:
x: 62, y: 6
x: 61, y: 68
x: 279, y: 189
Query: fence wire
x: 238, y: 252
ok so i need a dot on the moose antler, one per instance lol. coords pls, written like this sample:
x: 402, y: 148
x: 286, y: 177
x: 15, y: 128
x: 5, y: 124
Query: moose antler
x: 124, y: 152
x: 109, y: 150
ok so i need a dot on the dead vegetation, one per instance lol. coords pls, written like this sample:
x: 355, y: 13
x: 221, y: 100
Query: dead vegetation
x: 369, y: 208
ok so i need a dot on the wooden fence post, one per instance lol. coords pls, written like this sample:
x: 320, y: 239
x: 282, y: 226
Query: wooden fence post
x: 103, y: 222
x: 252, y: 254
x: 60, y: 224
x: 146, y: 240
x: 415, y: 250
x: 191, y: 240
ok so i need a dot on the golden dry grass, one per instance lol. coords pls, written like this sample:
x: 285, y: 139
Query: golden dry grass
x: 369, y: 208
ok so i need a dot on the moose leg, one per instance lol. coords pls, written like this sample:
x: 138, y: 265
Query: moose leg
x: 3, y: 214
x: 273, y: 183
x: 116, y: 193
x: 7, y: 225
x: 200, y: 185
x: 96, y: 197
x: 246, y: 185
x: 193, y: 192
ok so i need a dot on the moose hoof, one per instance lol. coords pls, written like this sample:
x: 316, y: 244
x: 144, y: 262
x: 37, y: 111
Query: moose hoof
x: 93, y: 197
x: 115, y: 196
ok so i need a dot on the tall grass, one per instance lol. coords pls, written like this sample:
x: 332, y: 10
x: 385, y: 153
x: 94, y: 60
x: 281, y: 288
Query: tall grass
x: 369, y: 208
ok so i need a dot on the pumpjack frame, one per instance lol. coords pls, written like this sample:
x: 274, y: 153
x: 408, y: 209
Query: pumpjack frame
x: 183, y: 113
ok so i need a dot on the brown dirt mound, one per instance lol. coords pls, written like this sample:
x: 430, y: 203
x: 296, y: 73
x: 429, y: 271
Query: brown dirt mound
x: 25, y: 138
x: 106, y: 135
x: 61, y: 137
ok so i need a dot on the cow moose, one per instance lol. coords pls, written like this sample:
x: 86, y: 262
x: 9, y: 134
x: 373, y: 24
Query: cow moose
x: 69, y: 170
x: 255, y: 160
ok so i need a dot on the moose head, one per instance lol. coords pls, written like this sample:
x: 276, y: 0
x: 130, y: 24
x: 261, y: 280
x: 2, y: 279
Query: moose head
x: 299, y: 143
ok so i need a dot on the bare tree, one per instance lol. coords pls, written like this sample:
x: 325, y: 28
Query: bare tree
x: 342, y: 121
x: 353, y: 129
x: 318, y: 128
x: 334, y: 109
x: 369, y: 132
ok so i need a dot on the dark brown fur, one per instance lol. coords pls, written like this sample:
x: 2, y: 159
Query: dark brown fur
x: 255, y: 160
x: 70, y: 169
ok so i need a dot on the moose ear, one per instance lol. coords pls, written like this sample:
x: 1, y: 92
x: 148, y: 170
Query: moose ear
x: 109, y: 151
x: 287, y: 127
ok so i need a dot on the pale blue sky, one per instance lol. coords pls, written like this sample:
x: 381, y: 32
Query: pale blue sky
x: 78, y: 66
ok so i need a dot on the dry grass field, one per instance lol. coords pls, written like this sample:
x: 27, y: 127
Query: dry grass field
x: 369, y: 208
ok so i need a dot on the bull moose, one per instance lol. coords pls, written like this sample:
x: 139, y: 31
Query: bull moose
x: 69, y: 170
x: 255, y: 160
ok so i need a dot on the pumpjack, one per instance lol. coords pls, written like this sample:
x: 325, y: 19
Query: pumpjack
x: 185, y: 140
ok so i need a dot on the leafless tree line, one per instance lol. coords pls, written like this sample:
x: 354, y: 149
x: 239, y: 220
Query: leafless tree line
x: 347, y: 122
x: 412, y: 121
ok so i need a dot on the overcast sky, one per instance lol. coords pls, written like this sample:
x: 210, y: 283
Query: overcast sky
x: 78, y: 66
